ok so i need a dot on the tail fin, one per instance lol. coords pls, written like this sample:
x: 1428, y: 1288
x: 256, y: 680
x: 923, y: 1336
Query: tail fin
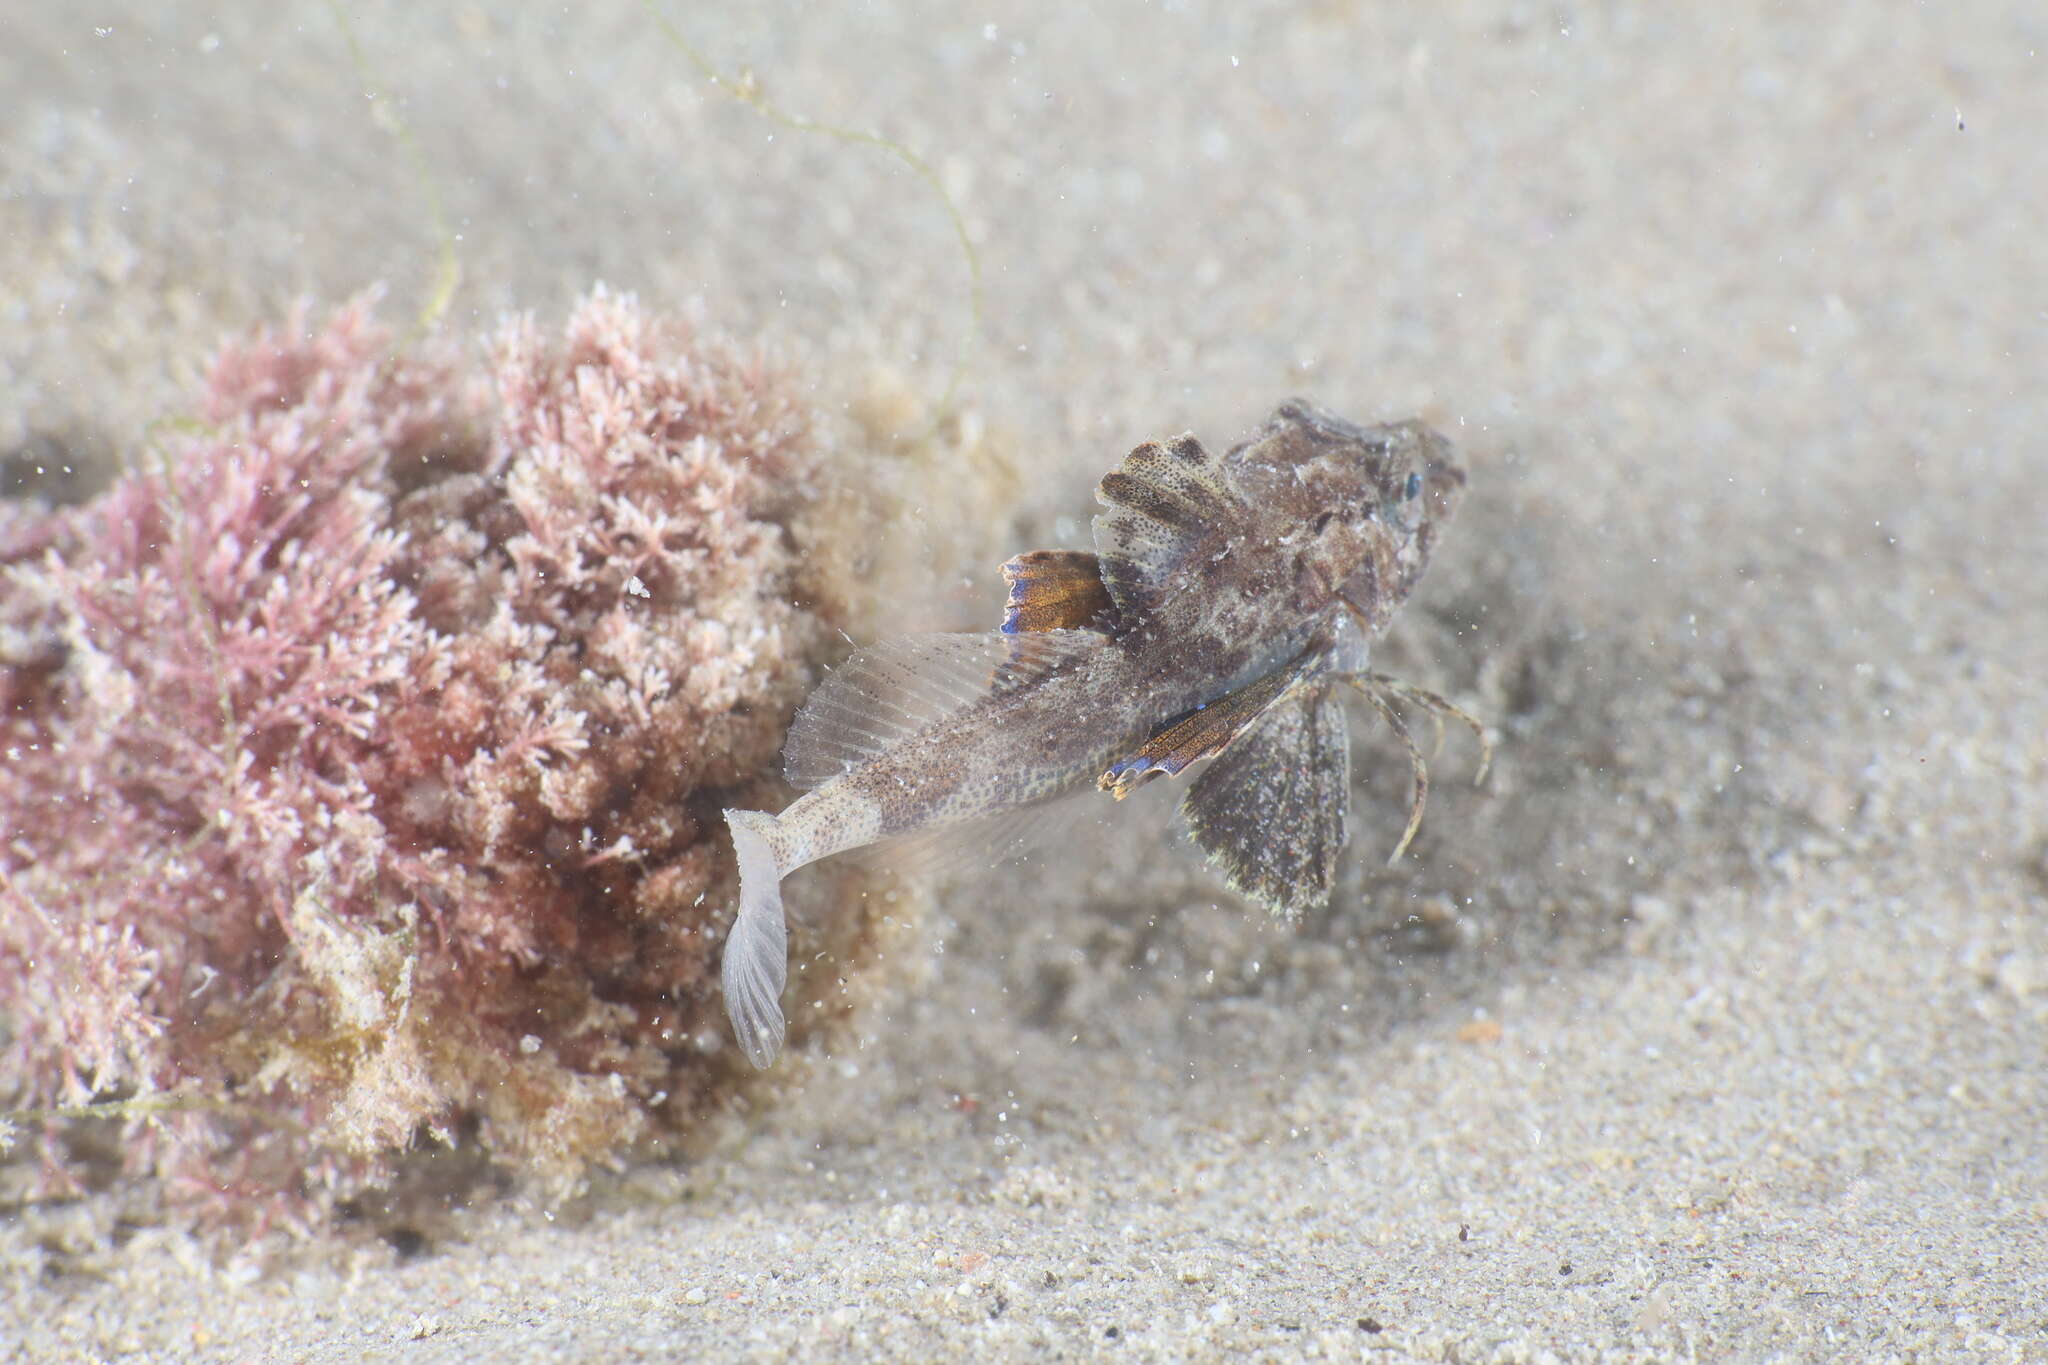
x: 756, y: 962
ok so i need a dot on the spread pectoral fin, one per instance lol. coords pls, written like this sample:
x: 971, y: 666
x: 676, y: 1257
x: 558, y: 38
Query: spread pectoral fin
x: 1195, y: 736
x: 1270, y: 810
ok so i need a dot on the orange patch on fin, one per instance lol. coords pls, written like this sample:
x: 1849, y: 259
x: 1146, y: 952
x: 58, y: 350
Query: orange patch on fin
x: 1056, y: 590
x: 1197, y: 736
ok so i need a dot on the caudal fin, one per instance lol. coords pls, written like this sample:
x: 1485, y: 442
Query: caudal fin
x: 756, y: 962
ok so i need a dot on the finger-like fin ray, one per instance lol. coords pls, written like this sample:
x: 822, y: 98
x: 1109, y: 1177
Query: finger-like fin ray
x: 1381, y: 692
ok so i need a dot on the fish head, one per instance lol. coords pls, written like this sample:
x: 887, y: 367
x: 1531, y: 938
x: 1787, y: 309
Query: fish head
x: 1418, y: 483
x: 1367, y: 504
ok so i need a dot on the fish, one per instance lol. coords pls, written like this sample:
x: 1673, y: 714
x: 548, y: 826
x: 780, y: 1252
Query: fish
x: 1225, y: 602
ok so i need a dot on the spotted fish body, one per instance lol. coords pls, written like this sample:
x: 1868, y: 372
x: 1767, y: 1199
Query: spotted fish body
x: 1224, y: 598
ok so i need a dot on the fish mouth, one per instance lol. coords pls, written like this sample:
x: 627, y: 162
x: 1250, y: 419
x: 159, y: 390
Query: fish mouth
x: 1443, y: 481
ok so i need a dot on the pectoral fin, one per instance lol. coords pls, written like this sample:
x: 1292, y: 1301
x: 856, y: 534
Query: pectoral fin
x: 1056, y: 590
x: 1270, y: 810
x: 1195, y: 736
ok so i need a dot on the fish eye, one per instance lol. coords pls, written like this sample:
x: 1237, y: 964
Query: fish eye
x: 1414, y: 488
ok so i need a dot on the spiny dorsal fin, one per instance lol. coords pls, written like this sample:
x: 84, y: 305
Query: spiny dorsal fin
x: 1164, y: 501
x: 1056, y: 590
x: 888, y: 692
x: 1270, y: 810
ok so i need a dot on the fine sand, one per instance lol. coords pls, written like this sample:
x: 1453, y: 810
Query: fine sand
x: 1714, y: 1025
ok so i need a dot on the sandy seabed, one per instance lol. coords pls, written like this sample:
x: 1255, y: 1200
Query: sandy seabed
x: 1715, y: 1025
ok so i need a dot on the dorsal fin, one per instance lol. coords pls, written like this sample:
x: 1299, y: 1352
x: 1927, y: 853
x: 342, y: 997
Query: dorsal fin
x: 1056, y: 590
x: 1163, y: 501
x: 888, y: 692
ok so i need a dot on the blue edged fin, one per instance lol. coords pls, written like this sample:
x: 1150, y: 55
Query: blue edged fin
x: 1056, y: 590
x: 1199, y: 734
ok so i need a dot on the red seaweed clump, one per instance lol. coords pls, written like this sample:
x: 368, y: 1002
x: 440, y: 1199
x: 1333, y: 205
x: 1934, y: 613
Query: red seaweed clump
x: 363, y: 748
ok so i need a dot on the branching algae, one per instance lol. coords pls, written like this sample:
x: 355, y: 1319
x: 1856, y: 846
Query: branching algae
x: 1225, y: 600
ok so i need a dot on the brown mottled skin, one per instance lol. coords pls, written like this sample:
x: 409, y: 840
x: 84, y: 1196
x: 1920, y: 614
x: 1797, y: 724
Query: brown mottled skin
x: 1231, y: 583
